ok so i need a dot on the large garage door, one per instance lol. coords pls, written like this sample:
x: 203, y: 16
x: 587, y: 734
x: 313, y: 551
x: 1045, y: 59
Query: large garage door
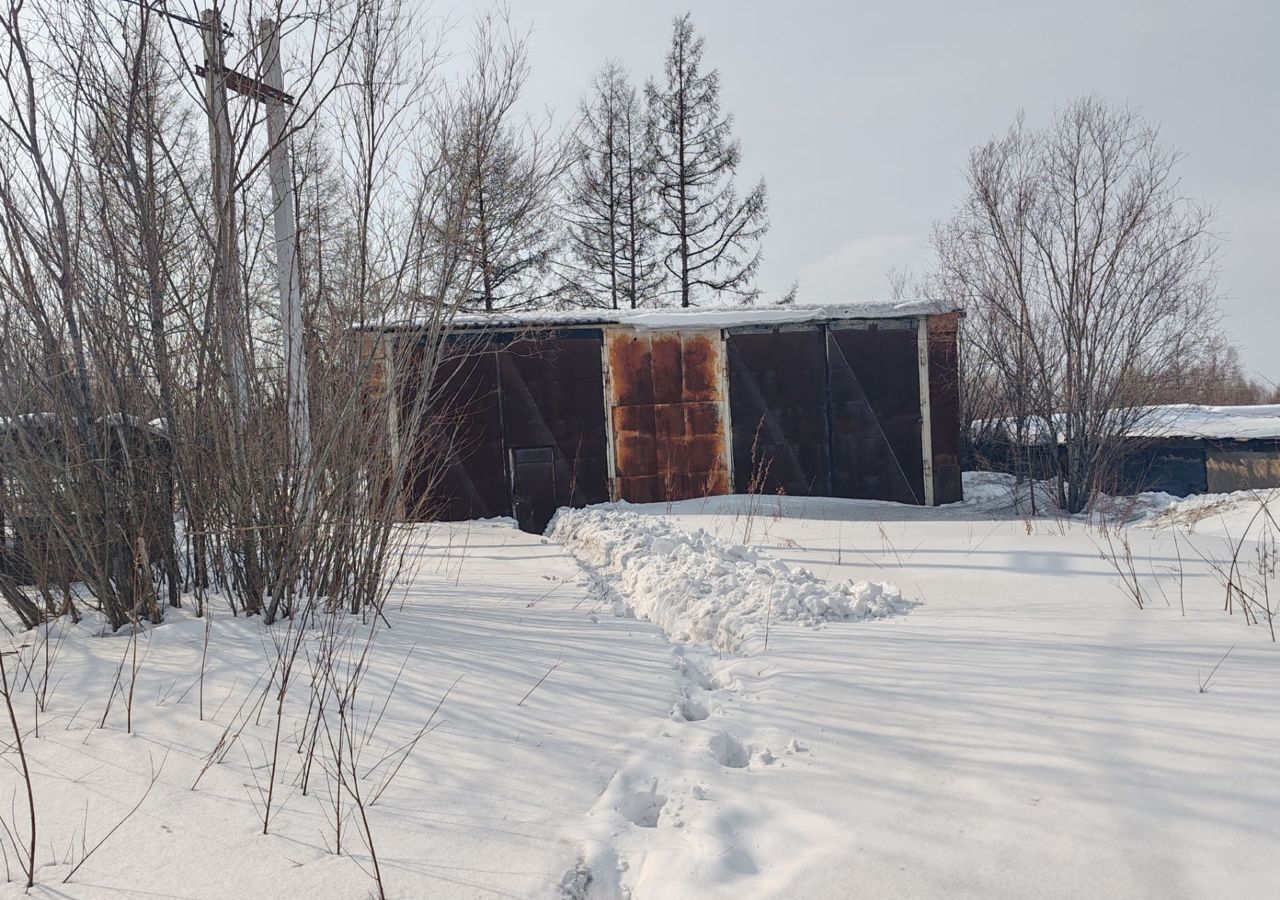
x: 553, y: 403
x: 875, y: 412
x: 458, y: 470
x: 522, y: 417
x: 778, y: 406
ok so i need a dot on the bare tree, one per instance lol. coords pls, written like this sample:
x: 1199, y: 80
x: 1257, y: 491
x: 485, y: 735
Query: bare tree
x: 712, y: 234
x: 610, y: 208
x: 1087, y: 278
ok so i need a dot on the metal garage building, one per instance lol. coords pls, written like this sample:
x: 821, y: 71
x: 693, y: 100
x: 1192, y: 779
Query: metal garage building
x: 1187, y: 449
x: 1181, y: 450
x: 567, y: 409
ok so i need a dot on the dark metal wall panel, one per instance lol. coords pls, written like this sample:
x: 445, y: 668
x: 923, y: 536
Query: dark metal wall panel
x: 668, y: 430
x: 944, y: 407
x: 462, y: 428
x: 1173, y: 466
x: 778, y: 406
x: 877, y: 453
x: 495, y: 397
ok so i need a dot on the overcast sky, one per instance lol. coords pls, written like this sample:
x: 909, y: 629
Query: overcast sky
x: 860, y: 114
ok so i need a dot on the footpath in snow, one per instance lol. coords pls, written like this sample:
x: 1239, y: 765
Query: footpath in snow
x: 677, y: 818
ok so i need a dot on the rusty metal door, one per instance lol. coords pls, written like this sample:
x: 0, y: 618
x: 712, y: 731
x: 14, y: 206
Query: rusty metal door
x: 778, y: 405
x: 875, y: 412
x: 665, y: 403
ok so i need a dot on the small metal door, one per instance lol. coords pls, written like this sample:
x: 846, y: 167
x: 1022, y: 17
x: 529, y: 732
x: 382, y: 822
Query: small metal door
x: 533, y: 487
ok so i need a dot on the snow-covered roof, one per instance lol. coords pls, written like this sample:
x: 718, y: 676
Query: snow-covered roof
x: 1212, y: 422
x: 1186, y: 420
x: 692, y: 317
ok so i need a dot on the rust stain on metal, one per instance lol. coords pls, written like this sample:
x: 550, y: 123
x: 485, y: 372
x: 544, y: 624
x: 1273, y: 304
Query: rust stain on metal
x: 668, y: 368
x: 629, y: 356
x: 373, y: 349
x: 944, y: 403
x: 669, y: 434
x: 701, y: 363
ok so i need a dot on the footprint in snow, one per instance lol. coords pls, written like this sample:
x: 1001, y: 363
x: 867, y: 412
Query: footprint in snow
x: 642, y: 806
x: 690, y: 709
x: 728, y: 750
x: 692, y: 672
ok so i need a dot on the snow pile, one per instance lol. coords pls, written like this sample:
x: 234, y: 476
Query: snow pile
x: 1234, y: 515
x: 998, y: 492
x: 696, y: 587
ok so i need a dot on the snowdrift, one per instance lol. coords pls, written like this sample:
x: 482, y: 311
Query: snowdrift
x: 698, y: 588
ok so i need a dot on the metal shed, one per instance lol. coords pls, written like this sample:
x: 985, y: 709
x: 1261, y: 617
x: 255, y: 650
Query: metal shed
x: 41, y: 517
x: 536, y: 411
x: 1189, y: 449
x: 1182, y: 450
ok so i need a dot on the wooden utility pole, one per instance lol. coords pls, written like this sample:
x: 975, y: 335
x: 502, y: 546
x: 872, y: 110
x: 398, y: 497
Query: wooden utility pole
x: 227, y: 264
x: 286, y: 245
x: 226, y: 283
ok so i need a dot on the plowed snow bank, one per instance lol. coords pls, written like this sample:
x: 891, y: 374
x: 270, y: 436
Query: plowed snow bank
x: 696, y: 587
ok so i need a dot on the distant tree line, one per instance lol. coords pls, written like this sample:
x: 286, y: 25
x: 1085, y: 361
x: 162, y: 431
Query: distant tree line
x: 1214, y: 376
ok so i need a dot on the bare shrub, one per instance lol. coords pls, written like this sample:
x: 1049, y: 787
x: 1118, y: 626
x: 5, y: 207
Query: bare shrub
x: 1250, y: 566
x: 26, y: 854
x: 1118, y: 554
x: 148, y: 441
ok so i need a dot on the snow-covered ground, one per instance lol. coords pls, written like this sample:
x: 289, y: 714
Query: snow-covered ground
x: 993, y: 718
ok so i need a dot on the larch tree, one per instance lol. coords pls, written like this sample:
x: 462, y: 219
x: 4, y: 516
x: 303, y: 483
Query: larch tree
x: 711, y: 234
x: 610, y: 208
x: 505, y: 173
